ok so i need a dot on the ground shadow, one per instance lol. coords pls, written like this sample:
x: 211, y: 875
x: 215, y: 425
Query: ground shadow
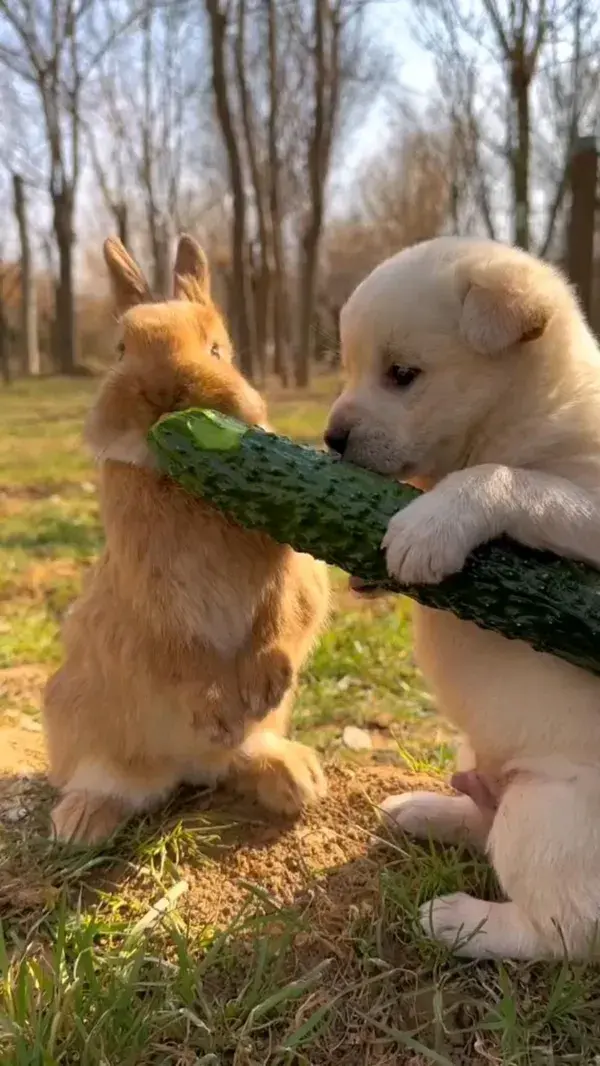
x: 308, y: 929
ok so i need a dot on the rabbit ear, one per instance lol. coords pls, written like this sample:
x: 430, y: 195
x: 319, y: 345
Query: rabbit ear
x: 128, y: 282
x: 191, y: 275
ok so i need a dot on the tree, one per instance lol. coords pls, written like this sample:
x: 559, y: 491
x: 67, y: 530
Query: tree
x: 52, y: 47
x: 284, y: 79
x: 516, y: 78
x: 31, y: 351
x: 403, y: 194
x: 219, y: 18
x: 280, y: 294
x: 9, y: 286
x: 341, y: 70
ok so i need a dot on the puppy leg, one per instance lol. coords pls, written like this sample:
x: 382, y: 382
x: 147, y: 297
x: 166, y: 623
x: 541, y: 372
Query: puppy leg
x: 433, y: 536
x: 545, y: 846
x: 435, y: 816
x: 284, y: 775
x: 98, y: 799
x: 478, y: 930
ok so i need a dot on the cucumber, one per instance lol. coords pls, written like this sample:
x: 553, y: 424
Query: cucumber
x: 339, y: 513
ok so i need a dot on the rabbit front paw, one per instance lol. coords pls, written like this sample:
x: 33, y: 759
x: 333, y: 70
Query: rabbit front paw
x: 264, y: 679
x: 290, y: 779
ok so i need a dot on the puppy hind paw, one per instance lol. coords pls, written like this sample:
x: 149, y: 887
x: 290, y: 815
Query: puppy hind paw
x: 458, y: 921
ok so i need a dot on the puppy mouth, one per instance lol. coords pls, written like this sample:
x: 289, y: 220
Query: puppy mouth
x: 366, y: 589
x: 383, y: 466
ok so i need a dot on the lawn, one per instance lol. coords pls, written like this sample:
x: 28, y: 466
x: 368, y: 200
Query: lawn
x: 206, y: 934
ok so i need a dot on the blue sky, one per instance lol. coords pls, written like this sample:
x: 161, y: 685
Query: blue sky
x: 391, y: 24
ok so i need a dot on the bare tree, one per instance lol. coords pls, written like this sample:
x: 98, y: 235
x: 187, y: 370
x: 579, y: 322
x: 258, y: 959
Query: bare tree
x: 338, y: 61
x: 284, y: 76
x: 530, y: 83
x: 111, y: 180
x: 260, y: 271
x: 403, y: 194
x: 220, y: 21
x: 52, y: 47
x: 146, y: 93
x: 325, y: 51
x: 31, y: 352
x: 9, y: 286
x: 280, y: 301
x: 406, y: 191
x: 519, y: 33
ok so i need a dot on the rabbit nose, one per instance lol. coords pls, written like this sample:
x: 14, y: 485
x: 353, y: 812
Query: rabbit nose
x: 337, y: 440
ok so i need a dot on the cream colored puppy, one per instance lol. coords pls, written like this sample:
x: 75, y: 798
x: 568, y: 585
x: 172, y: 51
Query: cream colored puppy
x: 470, y: 370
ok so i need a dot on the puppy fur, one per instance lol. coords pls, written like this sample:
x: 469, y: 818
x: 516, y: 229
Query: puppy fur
x: 182, y: 653
x: 502, y: 424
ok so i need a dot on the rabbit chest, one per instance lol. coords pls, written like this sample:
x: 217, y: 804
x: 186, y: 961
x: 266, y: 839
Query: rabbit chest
x: 189, y: 572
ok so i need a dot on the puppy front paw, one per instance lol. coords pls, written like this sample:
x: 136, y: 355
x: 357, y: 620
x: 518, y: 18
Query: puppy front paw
x: 264, y: 679
x: 426, y: 541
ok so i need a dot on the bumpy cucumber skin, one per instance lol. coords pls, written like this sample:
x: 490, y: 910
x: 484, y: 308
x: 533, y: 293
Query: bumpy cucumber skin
x: 339, y: 513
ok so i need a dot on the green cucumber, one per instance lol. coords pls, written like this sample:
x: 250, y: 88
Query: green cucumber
x: 338, y: 512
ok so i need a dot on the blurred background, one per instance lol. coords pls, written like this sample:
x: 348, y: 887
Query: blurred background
x: 301, y: 141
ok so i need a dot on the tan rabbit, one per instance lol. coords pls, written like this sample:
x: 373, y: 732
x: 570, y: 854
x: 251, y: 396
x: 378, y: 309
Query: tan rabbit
x: 183, y: 651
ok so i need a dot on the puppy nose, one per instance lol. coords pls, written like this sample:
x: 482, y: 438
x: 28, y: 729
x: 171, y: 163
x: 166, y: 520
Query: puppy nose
x: 337, y: 440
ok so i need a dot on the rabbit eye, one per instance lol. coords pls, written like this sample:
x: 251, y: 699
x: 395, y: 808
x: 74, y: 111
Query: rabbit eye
x: 121, y: 350
x: 214, y: 351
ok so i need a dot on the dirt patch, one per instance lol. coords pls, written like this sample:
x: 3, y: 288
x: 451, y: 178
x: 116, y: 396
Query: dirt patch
x: 326, y: 860
x: 21, y: 753
x: 288, y: 863
x: 23, y: 682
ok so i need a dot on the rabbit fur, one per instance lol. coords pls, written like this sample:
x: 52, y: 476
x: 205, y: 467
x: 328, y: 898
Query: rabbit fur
x: 182, y: 653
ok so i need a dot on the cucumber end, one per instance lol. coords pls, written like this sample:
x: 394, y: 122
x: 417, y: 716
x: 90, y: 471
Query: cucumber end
x: 212, y: 431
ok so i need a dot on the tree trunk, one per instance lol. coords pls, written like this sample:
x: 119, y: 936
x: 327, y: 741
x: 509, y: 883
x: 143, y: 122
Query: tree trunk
x: 159, y: 241
x: 262, y: 299
x: 242, y: 321
x: 279, y: 291
x: 261, y: 263
x: 65, y: 352
x: 521, y: 148
x: 580, y: 230
x: 4, y: 345
x: 308, y: 285
x: 260, y: 288
x: 316, y: 175
x: 29, y: 325
x: 121, y: 214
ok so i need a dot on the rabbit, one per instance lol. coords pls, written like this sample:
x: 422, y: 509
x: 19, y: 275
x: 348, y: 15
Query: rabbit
x: 182, y: 653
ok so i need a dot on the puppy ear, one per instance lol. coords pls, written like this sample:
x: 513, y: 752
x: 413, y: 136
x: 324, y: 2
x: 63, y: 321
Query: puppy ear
x: 506, y: 303
x: 191, y: 274
x: 127, y: 279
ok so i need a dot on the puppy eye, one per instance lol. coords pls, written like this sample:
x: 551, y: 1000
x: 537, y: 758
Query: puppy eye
x: 121, y: 350
x: 215, y: 351
x: 402, y: 376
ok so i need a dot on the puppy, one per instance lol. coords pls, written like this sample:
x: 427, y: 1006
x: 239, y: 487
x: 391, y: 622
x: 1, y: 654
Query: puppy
x: 470, y: 371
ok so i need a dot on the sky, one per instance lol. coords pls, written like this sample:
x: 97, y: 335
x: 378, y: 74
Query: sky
x: 411, y: 68
x: 391, y: 23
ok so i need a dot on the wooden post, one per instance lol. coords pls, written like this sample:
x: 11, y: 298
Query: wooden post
x: 580, y: 234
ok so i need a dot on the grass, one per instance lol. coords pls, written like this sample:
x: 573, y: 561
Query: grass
x: 203, y: 934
